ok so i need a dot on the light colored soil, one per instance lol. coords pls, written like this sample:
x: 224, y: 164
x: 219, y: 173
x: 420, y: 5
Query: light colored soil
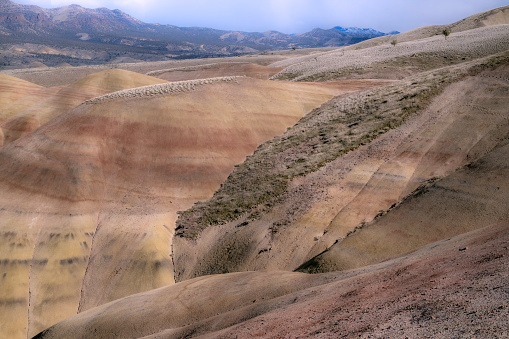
x: 11, y: 90
x: 320, y: 208
x: 33, y: 110
x: 57, y: 76
x: 419, y: 55
x: 89, y: 199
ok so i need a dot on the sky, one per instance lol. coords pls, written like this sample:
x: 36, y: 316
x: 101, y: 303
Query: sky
x: 290, y: 16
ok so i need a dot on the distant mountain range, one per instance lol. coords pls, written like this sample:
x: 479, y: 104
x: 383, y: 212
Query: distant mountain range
x: 363, y: 31
x: 118, y: 35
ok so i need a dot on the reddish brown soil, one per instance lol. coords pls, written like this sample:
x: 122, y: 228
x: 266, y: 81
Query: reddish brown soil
x: 219, y: 70
x: 455, y: 288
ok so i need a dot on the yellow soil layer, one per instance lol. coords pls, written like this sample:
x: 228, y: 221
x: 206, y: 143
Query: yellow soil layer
x: 13, y: 89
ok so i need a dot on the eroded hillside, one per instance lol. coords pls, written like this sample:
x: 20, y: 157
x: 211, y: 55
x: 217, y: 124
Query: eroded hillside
x: 398, y: 61
x: 33, y: 110
x: 394, y: 191
x: 343, y: 164
x: 89, y: 199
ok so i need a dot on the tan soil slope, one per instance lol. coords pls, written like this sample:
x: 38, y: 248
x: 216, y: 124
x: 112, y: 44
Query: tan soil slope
x: 475, y: 195
x: 13, y: 89
x: 28, y: 101
x: 437, y: 291
x: 29, y: 118
x: 89, y: 200
x: 62, y: 76
x: 316, y: 210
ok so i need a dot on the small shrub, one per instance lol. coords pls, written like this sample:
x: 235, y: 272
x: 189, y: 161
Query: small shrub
x: 446, y: 32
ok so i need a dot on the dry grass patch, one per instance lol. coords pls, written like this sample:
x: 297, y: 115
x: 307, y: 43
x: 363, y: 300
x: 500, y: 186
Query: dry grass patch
x: 160, y: 89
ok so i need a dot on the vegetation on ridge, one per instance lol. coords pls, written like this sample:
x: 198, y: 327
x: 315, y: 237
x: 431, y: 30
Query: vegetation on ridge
x: 337, y: 127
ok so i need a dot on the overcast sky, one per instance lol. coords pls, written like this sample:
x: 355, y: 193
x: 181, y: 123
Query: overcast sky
x: 290, y: 16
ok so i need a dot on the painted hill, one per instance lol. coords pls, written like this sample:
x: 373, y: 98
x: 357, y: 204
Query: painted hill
x: 340, y: 166
x: 11, y: 90
x: 28, y: 113
x: 216, y: 69
x: 494, y: 17
x: 397, y: 62
x: 89, y: 199
x: 392, y: 191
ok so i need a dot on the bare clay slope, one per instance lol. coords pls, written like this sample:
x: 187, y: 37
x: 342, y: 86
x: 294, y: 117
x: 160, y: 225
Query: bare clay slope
x: 11, y: 90
x: 437, y: 292
x: 343, y: 164
x: 49, y: 103
x: 89, y: 200
x: 475, y: 195
x: 450, y: 288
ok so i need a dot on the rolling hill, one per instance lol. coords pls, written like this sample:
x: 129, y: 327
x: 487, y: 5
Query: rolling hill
x: 90, y: 198
x: 342, y: 165
x: 434, y: 292
x: 30, y: 112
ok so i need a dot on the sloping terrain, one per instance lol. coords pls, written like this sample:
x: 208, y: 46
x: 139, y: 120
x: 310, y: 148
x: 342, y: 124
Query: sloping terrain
x: 494, y: 17
x: 437, y: 291
x: 11, y: 90
x: 89, y: 199
x: 396, y: 62
x: 371, y: 184
x: 47, y: 104
x: 454, y: 287
x: 340, y: 166
x: 63, y: 76
x: 473, y: 196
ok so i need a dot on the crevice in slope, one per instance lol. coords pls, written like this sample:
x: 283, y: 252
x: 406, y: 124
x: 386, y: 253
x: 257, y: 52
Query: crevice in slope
x: 88, y: 261
x: 172, y: 253
x: 466, y: 199
x: 30, y: 282
x: 309, y: 265
x: 106, y: 184
x: 480, y: 139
